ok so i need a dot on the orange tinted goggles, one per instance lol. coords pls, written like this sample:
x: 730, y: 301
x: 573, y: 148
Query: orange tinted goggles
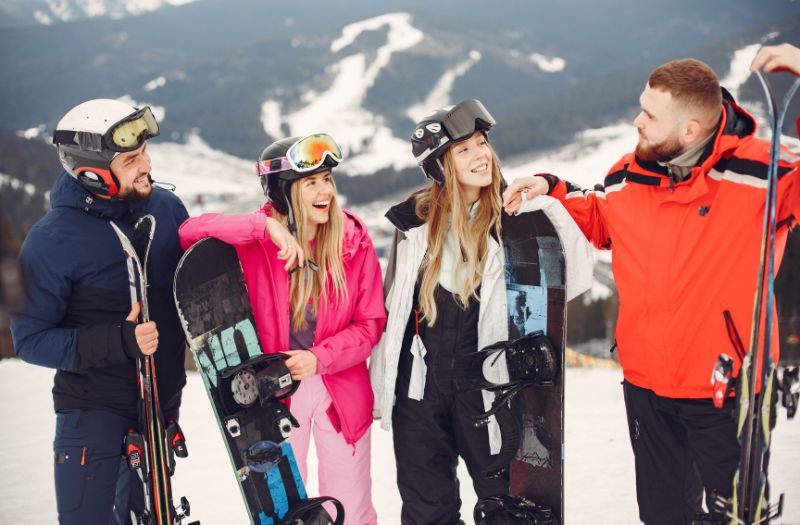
x: 307, y: 154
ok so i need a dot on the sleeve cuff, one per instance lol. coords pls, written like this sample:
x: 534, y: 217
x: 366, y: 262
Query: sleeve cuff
x: 552, y: 180
x: 129, y: 343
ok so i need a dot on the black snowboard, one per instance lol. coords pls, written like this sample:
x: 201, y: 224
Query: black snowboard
x: 243, y: 384
x: 535, y: 284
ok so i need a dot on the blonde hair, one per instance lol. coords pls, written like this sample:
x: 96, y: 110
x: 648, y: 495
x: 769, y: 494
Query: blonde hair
x: 445, y: 210
x: 304, y: 283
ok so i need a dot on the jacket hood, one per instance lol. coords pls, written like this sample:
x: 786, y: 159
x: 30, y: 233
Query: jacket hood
x: 68, y: 193
x: 403, y: 215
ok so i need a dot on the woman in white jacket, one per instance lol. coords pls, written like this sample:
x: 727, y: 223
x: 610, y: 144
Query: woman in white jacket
x: 446, y: 297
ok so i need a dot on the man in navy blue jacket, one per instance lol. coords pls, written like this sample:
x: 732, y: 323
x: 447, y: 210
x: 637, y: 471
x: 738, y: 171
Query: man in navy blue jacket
x: 78, y: 318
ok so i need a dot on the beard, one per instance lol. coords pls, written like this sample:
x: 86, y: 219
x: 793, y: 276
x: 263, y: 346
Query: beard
x: 661, y: 152
x: 134, y: 193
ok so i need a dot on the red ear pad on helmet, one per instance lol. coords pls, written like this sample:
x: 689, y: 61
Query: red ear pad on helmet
x: 98, y: 180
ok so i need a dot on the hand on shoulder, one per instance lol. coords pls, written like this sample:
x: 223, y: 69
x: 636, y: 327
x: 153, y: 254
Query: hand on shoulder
x: 523, y: 187
x: 289, y: 249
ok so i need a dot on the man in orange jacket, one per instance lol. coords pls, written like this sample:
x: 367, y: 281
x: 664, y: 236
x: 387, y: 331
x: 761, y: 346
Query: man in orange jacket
x: 683, y: 214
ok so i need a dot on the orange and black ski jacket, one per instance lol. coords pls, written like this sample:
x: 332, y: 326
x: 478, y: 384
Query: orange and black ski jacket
x: 685, y: 253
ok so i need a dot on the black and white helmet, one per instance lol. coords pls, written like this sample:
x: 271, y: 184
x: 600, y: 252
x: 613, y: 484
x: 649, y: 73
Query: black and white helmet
x: 91, y: 134
x: 436, y: 133
x: 287, y: 160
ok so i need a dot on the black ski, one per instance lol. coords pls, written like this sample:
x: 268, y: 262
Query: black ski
x: 749, y: 504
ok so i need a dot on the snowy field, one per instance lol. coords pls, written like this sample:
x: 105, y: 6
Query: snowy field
x: 599, y: 464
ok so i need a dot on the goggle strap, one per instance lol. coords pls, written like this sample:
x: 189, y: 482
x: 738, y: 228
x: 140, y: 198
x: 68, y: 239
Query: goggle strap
x: 83, y: 139
x: 89, y: 141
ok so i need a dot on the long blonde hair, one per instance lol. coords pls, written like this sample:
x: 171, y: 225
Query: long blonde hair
x: 304, y: 283
x: 444, y: 208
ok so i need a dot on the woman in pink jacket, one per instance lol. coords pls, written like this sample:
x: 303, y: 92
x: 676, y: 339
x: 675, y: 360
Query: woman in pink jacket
x: 316, y: 291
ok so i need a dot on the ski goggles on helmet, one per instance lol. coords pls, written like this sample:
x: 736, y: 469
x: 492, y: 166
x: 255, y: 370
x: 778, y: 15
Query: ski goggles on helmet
x: 465, y: 118
x: 129, y: 133
x: 126, y: 135
x: 307, y: 154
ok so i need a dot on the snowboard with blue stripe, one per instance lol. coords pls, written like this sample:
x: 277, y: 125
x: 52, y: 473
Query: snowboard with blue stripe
x: 243, y: 384
x: 536, y: 301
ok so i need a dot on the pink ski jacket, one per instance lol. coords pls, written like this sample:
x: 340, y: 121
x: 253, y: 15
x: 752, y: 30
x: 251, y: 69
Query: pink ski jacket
x: 345, y: 333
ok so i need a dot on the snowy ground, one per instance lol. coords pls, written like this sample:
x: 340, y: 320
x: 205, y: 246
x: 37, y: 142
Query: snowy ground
x: 599, y: 464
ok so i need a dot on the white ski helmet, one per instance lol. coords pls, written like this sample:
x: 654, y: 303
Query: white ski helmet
x: 91, y: 134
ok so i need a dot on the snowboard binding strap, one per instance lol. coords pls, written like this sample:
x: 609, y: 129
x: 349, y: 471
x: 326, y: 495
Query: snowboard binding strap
x: 510, y: 510
x: 311, y: 512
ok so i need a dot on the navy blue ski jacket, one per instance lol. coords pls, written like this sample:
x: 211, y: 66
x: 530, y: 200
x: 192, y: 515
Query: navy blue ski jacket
x: 77, y: 299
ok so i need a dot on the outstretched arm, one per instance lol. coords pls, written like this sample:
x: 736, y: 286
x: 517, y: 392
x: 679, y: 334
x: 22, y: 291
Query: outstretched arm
x: 583, y: 205
x: 240, y: 229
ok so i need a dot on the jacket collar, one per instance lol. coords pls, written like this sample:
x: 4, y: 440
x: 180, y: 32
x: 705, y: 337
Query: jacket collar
x: 404, y: 216
x: 735, y: 125
x: 68, y: 193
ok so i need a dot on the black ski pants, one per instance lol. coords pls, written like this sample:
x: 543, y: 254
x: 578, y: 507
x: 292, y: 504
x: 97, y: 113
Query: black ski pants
x: 92, y: 479
x: 430, y: 435
x: 669, y: 436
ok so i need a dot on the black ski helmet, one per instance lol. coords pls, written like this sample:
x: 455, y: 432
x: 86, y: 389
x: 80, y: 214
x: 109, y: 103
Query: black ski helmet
x: 277, y: 185
x: 91, y: 134
x: 434, y: 134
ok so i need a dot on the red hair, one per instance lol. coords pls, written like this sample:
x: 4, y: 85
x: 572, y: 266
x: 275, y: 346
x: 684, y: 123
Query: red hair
x: 693, y: 85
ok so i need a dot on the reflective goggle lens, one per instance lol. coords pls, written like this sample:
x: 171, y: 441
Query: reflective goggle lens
x: 462, y: 122
x: 130, y: 133
x: 309, y: 152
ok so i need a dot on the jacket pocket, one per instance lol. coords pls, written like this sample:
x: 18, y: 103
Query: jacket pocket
x: 333, y: 415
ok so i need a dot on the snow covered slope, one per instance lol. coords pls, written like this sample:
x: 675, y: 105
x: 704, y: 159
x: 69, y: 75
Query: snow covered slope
x: 599, y: 463
x: 49, y: 12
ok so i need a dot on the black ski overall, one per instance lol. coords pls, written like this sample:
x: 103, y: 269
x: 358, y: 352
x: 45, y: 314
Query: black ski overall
x: 430, y: 435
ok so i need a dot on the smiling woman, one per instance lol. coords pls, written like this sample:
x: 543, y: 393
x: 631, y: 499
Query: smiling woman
x: 433, y: 307
x: 447, y: 300
x: 315, y: 287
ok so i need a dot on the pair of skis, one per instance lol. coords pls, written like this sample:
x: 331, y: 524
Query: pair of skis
x: 150, y: 449
x: 749, y: 504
